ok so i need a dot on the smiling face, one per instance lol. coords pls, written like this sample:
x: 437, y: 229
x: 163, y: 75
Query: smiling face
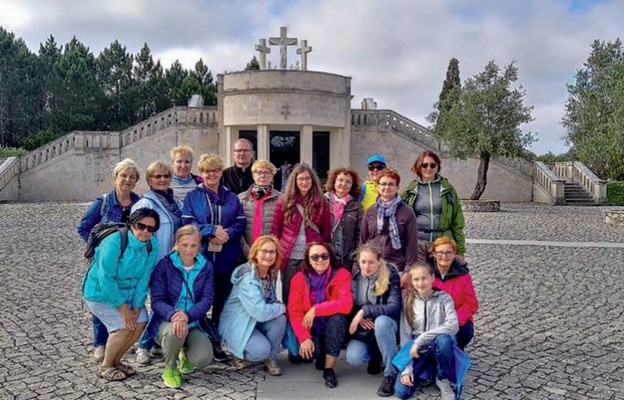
x: 160, y: 180
x: 374, y: 171
x: 388, y: 188
x: 428, y: 169
x: 444, y: 256
x: 318, y: 256
x: 211, y: 178
x: 343, y: 185
x: 422, y: 281
x: 188, y: 246
x: 262, y: 177
x: 142, y: 228
x: 304, y: 183
x: 369, y: 263
x: 243, y: 154
x: 126, y: 180
x: 267, y: 254
x: 182, y: 164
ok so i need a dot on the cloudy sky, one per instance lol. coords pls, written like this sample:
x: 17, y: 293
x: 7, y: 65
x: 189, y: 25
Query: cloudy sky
x: 396, y: 51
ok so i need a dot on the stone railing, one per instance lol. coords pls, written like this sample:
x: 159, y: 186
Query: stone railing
x: 517, y: 164
x: 388, y: 119
x: 48, y: 151
x: 554, y: 185
x: 576, y: 171
x: 9, y: 169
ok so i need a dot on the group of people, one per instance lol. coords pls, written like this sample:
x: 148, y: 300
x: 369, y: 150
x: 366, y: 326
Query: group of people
x: 308, y: 269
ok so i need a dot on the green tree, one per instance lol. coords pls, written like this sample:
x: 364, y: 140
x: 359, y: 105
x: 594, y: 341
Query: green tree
x: 206, y: 87
x: 450, y: 91
x: 485, y: 120
x: 150, y: 91
x: 175, y: 76
x: 114, y: 66
x: 253, y: 65
x: 594, y: 116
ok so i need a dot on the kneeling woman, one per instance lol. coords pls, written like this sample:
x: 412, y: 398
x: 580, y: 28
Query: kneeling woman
x: 182, y: 293
x: 115, y: 287
x: 377, y: 297
x: 253, y: 322
x: 320, y: 299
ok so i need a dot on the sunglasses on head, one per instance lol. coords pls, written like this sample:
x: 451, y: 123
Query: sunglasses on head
x: 429, y: 165
x: 143, y: 227
x: 377, y: 167
x: 316, y: 257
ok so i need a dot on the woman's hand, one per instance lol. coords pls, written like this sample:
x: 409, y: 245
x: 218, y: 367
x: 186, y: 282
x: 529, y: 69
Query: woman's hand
x: 367, y: 323
x: 128, y: 317
x: 407, y: 379
x: 308, y: 318
x: 221, y: 235
x: 179, y: 316
x: 405, y: 279
x: 306, y: 349
x: 414, y: 350
x: 356, y: 321
x: 179, y: 329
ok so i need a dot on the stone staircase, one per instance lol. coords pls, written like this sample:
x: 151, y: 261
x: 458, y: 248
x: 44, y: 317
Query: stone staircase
x: 576, y: 195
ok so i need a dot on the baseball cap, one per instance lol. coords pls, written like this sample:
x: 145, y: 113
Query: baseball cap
x: 376, y: 158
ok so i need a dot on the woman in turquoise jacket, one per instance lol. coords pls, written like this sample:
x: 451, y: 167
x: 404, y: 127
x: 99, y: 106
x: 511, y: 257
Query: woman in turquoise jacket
x: 253, y: 322
x: 115, y: 287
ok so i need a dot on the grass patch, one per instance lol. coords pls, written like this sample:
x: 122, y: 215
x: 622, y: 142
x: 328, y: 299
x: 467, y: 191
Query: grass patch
x: 615, y: 193
x: 6, y: 152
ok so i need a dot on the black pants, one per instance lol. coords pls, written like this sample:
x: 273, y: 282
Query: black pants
x: 222, y: 289
x: 333, y: 337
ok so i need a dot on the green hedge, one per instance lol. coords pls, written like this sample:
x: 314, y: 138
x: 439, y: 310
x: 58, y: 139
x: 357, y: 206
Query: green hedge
x: 615, y: 193
x: 6, y: 152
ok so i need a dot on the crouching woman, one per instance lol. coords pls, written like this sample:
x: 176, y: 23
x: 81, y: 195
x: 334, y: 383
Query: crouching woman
x: 182, y: 293
x: 115, y: 287
x: 253, y: 322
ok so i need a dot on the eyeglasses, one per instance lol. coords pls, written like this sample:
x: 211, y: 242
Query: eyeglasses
x: 377, y: 167
x: 143, y: 227
x: 304, y: 179
x: 388, y: 184
x: 262, y: 172
x: 159, y: 176
x: 211, y: 171
x: 267, y: 252
x: 429, y: 165
x: 241, y: 150
x: 345, y: 181
x: 444, y: 253
x: 316, y: 257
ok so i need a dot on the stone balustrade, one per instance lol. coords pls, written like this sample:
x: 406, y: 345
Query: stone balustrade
x: 550, y: 181
x: 9, y: 169
x: 577, y: 172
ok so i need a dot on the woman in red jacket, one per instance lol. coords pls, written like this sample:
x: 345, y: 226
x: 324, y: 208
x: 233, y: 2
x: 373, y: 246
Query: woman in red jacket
x: 454, y: 278
x: 319, y: 301
x: 301, y: 216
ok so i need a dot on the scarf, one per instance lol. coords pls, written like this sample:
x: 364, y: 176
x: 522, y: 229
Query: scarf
x: 337, y: 207
x: 388, y: 210
x: 260, y: 194
x: 318, y: 285
x: 168, y: 201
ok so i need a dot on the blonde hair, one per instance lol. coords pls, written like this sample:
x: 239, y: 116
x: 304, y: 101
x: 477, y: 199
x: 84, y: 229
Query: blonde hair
x: 155, y: 167
x: 383, y: 276
x: 208, y: 162
x: 181, y: 150
x: 186, y: 230
x: 126, y: 163
x: 408, y: 306
x: 257, y: 245
x: 264, y: 164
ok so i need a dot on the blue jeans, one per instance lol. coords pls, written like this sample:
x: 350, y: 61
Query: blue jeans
x: 100, y: 333
x: 439, y: 353
x: 265, y: 339
x: 360, y: 353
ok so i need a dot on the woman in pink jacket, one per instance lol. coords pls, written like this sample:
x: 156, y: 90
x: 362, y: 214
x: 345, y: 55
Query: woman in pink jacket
x: 319, y: 301
x: 301, y: 216
x: 454, y: 278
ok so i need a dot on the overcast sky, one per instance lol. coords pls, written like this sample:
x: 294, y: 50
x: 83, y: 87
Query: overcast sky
x: 396, y: 51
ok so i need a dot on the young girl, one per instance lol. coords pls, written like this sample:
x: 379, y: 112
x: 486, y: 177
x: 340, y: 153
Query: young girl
x: 428, y: 328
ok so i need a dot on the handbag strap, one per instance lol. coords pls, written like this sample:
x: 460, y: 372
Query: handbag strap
x: 310, y: 223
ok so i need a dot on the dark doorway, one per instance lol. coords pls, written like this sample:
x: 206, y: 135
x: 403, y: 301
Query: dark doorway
x: 284, y: 148
x: 320, y: 154
x: 252, y: 136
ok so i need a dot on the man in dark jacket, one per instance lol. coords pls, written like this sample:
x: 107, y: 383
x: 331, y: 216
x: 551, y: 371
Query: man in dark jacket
x: 238, y: 177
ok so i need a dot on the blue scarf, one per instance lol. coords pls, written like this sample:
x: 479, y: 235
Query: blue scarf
x: 388, y: 210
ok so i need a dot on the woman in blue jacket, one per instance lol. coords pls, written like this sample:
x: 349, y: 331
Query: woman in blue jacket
x: 115, y: 287
x: 218, y: 214
x: 253, y: 321
x: 110, y: 207
x: 375, y: 316
x: 182, y: 293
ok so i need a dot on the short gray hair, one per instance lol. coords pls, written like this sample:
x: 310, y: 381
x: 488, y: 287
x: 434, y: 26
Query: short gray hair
x: 127, y: 163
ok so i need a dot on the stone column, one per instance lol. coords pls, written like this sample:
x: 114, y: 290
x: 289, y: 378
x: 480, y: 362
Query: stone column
x: 305, y: 149
x: 339, y: 148
x: 226, y: 145
x: 263, y: 152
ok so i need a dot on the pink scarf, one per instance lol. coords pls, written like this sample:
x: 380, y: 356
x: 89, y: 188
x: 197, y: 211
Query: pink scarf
x: 338, y: 206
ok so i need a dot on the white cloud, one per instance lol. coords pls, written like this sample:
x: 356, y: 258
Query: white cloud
x: 396, y: 51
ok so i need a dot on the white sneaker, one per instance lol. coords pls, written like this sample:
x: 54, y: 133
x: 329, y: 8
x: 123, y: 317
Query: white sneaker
x: 446, y: 390
x: 142, y: 356
x: 98, y: 353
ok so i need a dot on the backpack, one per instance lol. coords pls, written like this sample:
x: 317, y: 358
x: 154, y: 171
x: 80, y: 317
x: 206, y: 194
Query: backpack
x: 104, y: 229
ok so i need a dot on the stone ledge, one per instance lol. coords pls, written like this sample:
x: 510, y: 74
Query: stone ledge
x: 614, y: 217
x: 480, y: 205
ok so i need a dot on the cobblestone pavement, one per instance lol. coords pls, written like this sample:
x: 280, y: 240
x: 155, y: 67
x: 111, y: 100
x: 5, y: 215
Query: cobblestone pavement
x: 550, y: 325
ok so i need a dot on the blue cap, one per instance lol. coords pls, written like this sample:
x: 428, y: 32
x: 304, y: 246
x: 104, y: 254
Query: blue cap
x: 376, y: 158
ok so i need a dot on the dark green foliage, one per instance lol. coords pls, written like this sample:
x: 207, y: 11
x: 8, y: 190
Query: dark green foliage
x: 6, y: 152
x: 253, y: 65
x: 65, y: 88
x: 550, y: 158
x: 595, y: 110
x: 615, y: 193
x: 450, y: 92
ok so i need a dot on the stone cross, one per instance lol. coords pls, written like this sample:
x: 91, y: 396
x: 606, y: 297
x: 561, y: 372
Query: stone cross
x: 304, y: 50
x: 282, y: 42
x: 285, y: 110
x: 264, y: 50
